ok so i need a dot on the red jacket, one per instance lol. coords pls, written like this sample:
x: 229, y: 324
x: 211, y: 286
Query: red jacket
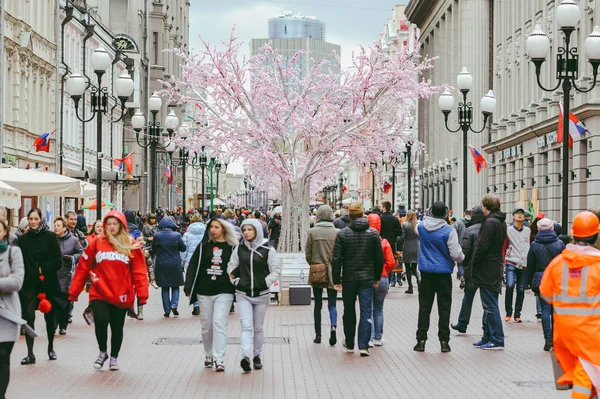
x: 116, y: 278
x: 388, y: 255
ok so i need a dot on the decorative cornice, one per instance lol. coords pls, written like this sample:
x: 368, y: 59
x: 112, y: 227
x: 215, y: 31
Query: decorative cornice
x: 417, y: 11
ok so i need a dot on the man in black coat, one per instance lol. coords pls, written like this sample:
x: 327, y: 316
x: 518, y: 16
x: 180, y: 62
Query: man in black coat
x: 357, y: 265
x: 486, y: 271
x: 344, y: 219
x: 390, y: 225
x: 469, y: 238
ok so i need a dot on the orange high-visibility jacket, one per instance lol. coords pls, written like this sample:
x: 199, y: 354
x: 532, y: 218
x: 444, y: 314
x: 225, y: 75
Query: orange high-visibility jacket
x: 571, y: 283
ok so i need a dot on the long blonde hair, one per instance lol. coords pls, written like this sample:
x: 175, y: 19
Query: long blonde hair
x: 411, y: 217
x: 121, y: 242
x: 228, y: 231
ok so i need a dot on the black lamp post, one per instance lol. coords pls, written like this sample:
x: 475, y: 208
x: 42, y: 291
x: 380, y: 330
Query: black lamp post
x: 153, y: 137
x: 407, y: 155
x: 567, y: 61
x: 464, y: 82
x: 77, y: 85
x: 341, y: 181
x: 218, y: 168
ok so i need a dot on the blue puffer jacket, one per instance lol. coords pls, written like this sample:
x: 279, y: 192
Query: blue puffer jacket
x: 192, y: 237
x: 438, y: 246
x: 166, y: 246
x: 544, y: 248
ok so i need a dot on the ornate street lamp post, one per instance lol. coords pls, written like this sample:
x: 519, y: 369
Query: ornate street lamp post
x: 567, y: 61
x: 77, y: 86
x: 153, y: 137
x: 464, y: 81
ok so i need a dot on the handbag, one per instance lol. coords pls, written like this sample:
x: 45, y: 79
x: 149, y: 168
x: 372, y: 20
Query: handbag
x: 88, y: 315
x: 318, y: 274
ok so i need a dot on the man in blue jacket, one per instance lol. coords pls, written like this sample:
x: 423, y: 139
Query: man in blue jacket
x: 438, y: 250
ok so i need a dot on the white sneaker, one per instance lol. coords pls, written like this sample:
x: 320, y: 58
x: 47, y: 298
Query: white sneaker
x: 371, y: 344
x: 345, y: 348
x: 100, y: 361
x: 364, y: 352
x: 379, y: 342
x: 113, y: 364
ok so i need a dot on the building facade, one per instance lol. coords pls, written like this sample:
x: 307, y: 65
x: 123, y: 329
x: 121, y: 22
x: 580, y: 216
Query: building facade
x: 525, y: 160
x: 29, y: 87
x: 457, y: 32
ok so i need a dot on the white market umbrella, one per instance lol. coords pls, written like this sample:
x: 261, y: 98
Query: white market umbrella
x: 10, y: 197
x: 87, y: 190
x: 33, y: 183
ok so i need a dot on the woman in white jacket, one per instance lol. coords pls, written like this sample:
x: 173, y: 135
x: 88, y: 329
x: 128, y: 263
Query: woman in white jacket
x: 253, y: 267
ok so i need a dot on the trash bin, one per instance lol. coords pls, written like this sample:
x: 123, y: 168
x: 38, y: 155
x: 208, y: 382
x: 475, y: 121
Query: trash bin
x: 300, y: 294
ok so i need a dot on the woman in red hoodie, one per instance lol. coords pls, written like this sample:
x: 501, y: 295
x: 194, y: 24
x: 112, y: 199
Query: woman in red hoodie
x: 380, y: 292
x: 116, y: 267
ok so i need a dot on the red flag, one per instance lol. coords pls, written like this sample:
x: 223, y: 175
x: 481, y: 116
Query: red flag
x: 169, y: 174
x: 344, y: 188
x: 127, y: 161
x: 559, y: 135
x: 479, y: 160
x: 42, y: 143
x: 386, y: 187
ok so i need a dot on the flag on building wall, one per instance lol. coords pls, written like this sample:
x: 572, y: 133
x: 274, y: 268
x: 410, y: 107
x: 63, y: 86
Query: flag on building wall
x: 169, y: 174
x: 125, y: 161
x: 479, y: 160
x: 42, y: 143
x: 344, y: 188
x: 386, y: 187
x: 576, y: 127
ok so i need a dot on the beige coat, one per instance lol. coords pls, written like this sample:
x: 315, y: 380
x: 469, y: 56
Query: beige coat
x: 319, y: 247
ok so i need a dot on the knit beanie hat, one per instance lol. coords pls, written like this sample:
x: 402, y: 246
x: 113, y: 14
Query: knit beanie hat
x: 356, y: 210
x: 545, y: 224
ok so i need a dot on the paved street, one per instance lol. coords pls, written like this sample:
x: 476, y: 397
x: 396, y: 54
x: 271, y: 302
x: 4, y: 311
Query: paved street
x: 294, y: 367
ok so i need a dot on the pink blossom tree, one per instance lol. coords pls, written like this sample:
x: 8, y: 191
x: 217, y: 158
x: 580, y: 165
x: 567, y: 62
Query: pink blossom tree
x: 290, y: 131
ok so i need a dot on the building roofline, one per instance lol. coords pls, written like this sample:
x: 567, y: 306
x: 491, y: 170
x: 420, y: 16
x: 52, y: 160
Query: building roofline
x: 417, y: 10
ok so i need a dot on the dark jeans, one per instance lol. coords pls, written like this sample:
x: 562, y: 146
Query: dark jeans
x: 546, y: 309
x: 29, y: 304
x: 62, y: 316
x: 433, y: 284
x: 492, y: 322
x: 331, y: 298
x: 411, y: 270
x: 106, y: 314
x: 467, y: 305
x: 5, y: 350
x: 515, y: 277
x: 363, y: 290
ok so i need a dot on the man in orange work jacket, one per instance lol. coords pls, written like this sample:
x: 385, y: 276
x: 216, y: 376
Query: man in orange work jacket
x: 571, y: 284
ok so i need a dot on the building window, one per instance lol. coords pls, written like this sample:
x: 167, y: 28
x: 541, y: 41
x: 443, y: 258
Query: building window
x: 155, y: 47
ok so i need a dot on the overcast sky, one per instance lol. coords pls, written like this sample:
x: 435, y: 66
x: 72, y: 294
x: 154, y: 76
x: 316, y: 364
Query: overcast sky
x: 350, y: 23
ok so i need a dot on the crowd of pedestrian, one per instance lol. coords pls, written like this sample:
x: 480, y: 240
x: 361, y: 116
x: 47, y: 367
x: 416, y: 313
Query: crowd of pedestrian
x: 230, y: 256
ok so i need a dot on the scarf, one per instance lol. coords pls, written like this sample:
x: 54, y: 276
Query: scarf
x: 4, y: 245
x: 42, y: 227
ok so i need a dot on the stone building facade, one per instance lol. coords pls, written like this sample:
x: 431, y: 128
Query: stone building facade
x: 457, y: 32
x: 524, y: 157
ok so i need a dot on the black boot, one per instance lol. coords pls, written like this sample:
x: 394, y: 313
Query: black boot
x: 317, y: 339
x: 420, y: 346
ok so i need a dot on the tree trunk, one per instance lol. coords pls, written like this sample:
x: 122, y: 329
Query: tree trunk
x: 295, y: 209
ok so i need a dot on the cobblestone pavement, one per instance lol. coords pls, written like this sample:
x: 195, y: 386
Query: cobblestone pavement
x: 294, y: 367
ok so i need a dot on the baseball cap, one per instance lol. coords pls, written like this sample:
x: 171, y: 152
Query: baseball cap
x: 517, y: 210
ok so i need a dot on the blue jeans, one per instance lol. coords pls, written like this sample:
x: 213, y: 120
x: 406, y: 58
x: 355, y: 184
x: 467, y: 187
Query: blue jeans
x: 467, y: 305
x: 460, y: 271
x: 170, y: 298
x: 546, y: 309
x: 363, y: 290
x: 492, y: 322
x: 518, y: 277
x: 393, y: 278
x: 331, y: 305
x: 379, y: 295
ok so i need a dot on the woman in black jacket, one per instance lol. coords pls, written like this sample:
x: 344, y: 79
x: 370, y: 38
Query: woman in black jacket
x: 43, y: 260
x: 71, y: 251
x: 207, y: 282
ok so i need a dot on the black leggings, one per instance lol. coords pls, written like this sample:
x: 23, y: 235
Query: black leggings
x: 411, y: 270
x: 105, y: 314
x: 29, y: 303
x: 62, y: 316
x: 5, y: 350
